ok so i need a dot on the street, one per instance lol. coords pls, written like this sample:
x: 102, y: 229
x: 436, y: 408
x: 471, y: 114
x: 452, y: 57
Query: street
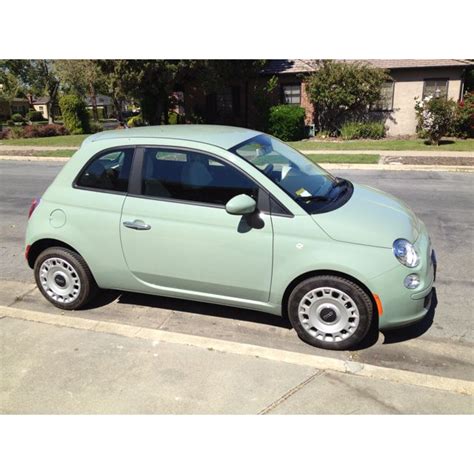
x: 440, y: 345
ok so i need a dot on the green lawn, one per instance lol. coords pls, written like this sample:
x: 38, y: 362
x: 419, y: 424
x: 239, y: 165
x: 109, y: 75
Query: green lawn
x: 367, y: 159
x: 55, y: 153
x: 66, y: 140
x: 446, y: 145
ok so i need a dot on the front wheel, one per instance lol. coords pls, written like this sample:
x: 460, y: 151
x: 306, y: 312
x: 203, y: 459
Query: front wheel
x: 330, y: 312
x: 64, y: 278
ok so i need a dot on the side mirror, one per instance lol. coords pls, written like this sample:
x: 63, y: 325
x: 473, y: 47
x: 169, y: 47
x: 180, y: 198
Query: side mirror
x: 241, y: 205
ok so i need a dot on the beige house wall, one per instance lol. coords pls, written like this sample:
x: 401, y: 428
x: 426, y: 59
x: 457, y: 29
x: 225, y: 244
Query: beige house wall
x: 43, y: 109
x: 408, y: 85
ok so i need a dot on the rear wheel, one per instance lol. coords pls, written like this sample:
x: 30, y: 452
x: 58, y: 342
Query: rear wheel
x: 330, y: 312
x: 64, y: 278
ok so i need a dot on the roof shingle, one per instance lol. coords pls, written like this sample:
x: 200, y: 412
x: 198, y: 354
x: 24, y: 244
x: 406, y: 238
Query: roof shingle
x: 298, y: 66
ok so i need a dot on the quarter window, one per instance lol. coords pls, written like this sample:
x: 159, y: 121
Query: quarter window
x: 110, y: 171
x: 192, y: 176
x: 291, y: 94
x: 435, y: 88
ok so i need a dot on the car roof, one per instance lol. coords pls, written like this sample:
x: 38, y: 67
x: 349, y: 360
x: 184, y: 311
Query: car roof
x: 218, y: 135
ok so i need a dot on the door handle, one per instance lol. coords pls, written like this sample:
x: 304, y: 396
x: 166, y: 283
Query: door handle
x: 137, y: 225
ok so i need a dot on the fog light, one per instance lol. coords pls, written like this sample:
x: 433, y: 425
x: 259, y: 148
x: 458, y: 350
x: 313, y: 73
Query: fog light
x: 412, y: 281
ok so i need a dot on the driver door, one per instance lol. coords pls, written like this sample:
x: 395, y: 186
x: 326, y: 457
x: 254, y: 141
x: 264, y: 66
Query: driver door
x: 188, y: 243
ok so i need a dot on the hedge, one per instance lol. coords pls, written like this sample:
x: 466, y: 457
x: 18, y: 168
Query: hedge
x: 286, y: 122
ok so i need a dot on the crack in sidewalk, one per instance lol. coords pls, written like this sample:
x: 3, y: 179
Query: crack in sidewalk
x: 290, y: 393
x: 20, y: 297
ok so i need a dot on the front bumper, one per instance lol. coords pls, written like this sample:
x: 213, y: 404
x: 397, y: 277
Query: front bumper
x: 401, y: 306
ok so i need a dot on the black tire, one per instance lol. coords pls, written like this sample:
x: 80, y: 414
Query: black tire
x: 360, y: 297
x: 88, y: 286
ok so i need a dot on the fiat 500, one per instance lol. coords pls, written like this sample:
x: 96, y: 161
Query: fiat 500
x: 229, y: 216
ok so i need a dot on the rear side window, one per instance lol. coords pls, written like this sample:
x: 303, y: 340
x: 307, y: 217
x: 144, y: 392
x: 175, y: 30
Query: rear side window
x: 109, y: 171
x: 192, y: 176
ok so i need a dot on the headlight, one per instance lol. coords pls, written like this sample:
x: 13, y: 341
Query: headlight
x: 405, y: 253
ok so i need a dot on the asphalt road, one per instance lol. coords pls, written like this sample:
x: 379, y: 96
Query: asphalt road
x: 442, y: 344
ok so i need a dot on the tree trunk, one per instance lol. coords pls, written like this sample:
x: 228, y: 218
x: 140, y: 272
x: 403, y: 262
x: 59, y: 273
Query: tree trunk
x: 95, y: 114
x: 166, y: 107
x: 118, y: 109
x: 49, y: 110
x: 50, y: 104
x: 246, y: 104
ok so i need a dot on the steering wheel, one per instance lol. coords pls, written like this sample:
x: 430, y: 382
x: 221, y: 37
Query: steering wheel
x: 268, y: 168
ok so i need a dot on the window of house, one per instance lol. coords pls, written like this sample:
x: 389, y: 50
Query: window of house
x: 291, y: 94
x: 435, y: 88
x: 386, y: 99
x: 191, y: 176
x: 109, y: 171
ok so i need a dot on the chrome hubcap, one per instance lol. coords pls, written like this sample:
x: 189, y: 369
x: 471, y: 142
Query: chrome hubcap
x: 59, y: 280
x: 328, y: 314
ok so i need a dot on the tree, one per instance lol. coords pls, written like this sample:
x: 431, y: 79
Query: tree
x: 213, y: 74
x: 35, y: 77
x: 10, y: 86
x: 82, y: 77
x: 74, y: 114
x: 342, y: 91
x: 115, y: 83
x: 150, y: 82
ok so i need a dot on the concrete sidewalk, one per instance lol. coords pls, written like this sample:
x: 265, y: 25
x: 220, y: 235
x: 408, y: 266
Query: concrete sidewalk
x: 48, y: 369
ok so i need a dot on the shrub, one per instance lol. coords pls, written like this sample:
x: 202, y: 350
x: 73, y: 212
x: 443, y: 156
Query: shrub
x: 357, y: 130
x: 463, y: 124
x: 286, y: 122
x: 16, y: 132
x: 435, y: 117
x: 95, y: 127
x: 35, y: 116
x: 4, y: 134
x: 174, y: 118
x: 136, y: 121
x: 10, y: 123
x: 323, y: 134
x: 74, y: 113
x: 37, y: 131
x: 18, y: 118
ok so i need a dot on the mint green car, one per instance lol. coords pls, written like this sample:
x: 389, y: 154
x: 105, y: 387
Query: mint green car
x: 234, y: 217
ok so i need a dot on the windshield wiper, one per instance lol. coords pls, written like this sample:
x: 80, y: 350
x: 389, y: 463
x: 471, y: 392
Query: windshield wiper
x: 339, y: 182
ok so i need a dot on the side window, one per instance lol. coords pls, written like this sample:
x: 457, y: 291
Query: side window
x: 109, y: 171
x: 191, y: 176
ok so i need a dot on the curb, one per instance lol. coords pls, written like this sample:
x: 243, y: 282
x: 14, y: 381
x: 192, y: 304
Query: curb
x: 398, y: 167
x: 393, y: 153
x: 464, y: 387
x: 32, y: 158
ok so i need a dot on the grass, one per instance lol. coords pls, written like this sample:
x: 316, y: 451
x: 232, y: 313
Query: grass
x: 65, y: 140
x: 54, y: 153
x: 446, y: 145
x: 342, y: 158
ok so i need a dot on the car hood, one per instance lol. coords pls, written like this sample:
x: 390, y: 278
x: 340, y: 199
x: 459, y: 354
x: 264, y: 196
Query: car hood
x: 370, y: 217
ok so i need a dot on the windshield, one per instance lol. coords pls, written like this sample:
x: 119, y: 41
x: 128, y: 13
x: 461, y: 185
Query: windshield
x: 306, y: 182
